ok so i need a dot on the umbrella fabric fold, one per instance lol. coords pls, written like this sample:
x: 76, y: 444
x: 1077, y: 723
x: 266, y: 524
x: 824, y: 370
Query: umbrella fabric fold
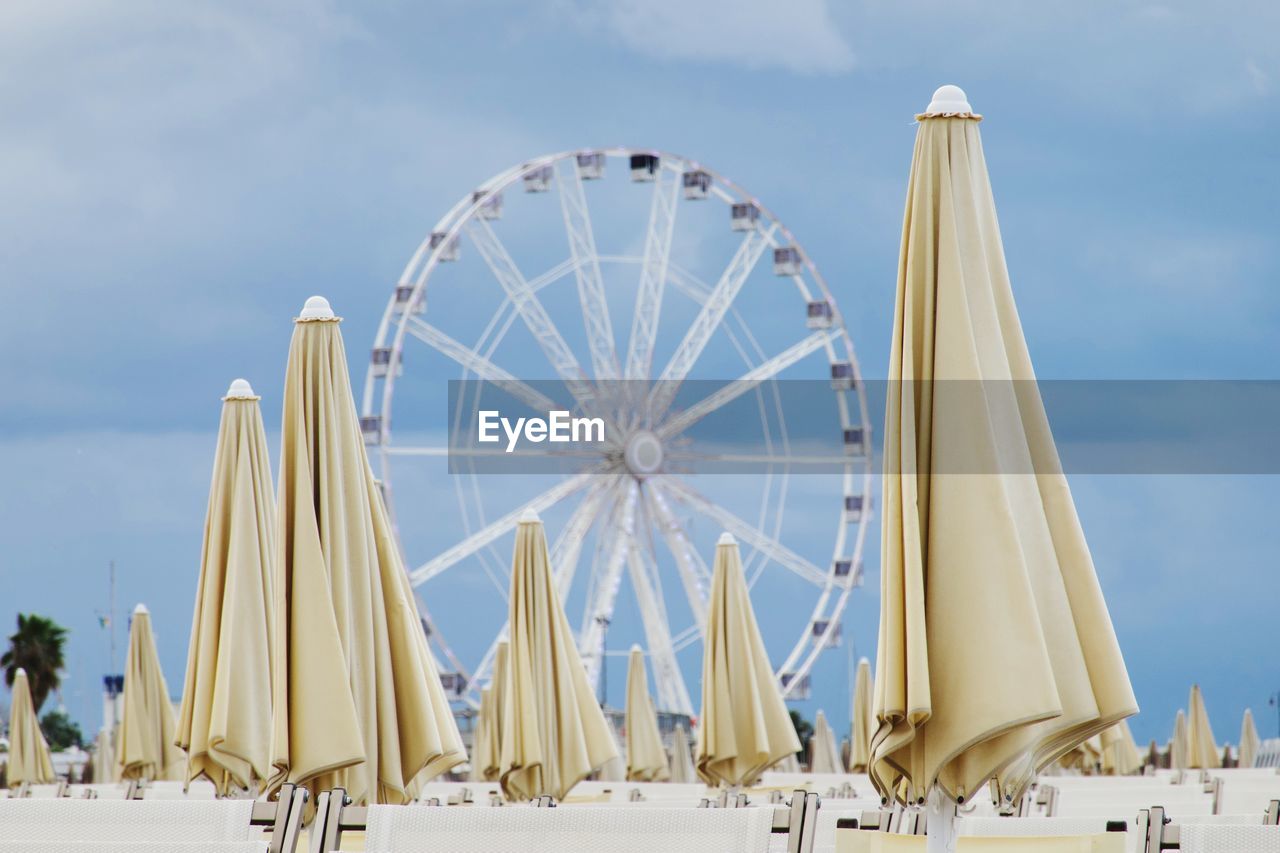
x: 646, y: 759
x: 29, y: 759
x: 682, y: 769
x: 744, y: 728
x: 491, y: 765
x: 357, y: 700
x: 224, y: 724
x: 996, y: 652
x: 105, y: 769
x: 615, y: 769
x: 553, y: 731
x: 147, y: 748
x: 824, y: 754
x: 1248, y: 750
x: 863, y: 726
x: 1120, y: 754
x: 1202, y: 750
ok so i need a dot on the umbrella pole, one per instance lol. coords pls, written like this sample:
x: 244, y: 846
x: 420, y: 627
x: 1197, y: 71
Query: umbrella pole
x: 940, y: 822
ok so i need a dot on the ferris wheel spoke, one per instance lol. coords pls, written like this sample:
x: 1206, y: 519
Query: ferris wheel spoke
x: 530, y: 309
x: 686, y: 638
x: 478, y: 364
x: 605, y: 584
x: 653, y: 273
x: 782, y: 460
x: 486, y: 535
x: 582, y: 246
x: 730, y: 391
x: 673, y: 695
x: 694, y: 575
x: 748, y: 533
x: 436, y: 641
x: 708, y: 320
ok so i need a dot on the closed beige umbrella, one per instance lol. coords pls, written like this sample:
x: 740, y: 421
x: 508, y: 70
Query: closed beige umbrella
x: 646, y: 759
x: 1120, y: 754
x: 1248, y: 750
x: 824, y: 753
x: 682, y: 769
x: 1180, y: 745
x: 864, y: 719
x: 553, y: 731
x: 1202, y: 750
x: 996, y: 652
x: 744, y: 728
x: 357, y: 701
x: 105, y: 769
x: 29, y: 759
x: 147, y: 749
x: 485, y: 749
x: 224, y: 723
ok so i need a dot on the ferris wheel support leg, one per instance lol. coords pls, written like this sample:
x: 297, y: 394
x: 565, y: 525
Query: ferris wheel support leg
x: 673, y: 693
x: 694, y: 575
x: 601, y: 599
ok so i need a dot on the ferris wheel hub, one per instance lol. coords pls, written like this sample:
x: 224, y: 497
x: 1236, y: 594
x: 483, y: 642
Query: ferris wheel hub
x: 643, y: 454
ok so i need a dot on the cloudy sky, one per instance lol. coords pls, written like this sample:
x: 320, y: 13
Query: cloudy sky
x: 178, y: 178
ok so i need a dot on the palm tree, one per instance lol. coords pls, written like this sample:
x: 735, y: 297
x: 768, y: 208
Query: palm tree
x: 37, y: 648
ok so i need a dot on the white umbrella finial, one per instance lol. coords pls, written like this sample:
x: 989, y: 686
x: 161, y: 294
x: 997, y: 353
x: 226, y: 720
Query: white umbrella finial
x: 240, y: 388
x: 726, y: 538
x: 529, y: 517
x: 317, y: 308
x: 20, y: 672
x: 949, y: 100
x: 141, y: 608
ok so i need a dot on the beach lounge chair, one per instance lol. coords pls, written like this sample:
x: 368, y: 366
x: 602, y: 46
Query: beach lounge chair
x: 44, y: 826
x: 550, y: 829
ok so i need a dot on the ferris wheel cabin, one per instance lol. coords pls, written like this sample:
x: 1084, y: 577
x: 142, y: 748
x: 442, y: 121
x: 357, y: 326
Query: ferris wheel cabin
x: 538, y: 179
x: 854, y: 442
x: 697, y: 185
x: 802, y: 685
x: 786, y: 261
x: 842, y: 376
x: 854, y: 505
x: 371, y: 429
x: 445, y: 249
x: 818, y: 315
x: 820, y: 628
x: 404, y: 300
x: 489, y: 204
x: 382, y: 359
x: 591, y: 165
x: 744, y: 216
x: 644, y: 167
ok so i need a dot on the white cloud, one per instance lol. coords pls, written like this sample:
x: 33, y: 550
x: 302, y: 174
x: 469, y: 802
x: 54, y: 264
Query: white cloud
x: 1139, y: 59
x: 799, y: 36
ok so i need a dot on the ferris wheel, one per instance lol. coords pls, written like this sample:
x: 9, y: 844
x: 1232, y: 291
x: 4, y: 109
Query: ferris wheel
x: 653, y: 277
